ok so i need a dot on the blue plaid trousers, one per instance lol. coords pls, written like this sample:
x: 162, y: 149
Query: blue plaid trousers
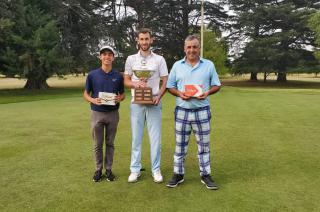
x: 198, y: 121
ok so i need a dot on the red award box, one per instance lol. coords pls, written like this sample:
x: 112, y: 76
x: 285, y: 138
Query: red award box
x: 193, y: 90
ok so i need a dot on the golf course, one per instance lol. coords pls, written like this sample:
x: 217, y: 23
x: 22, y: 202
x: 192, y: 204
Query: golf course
x: 264, y: 153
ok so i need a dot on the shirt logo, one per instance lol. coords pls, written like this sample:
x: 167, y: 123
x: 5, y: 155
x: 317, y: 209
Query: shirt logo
x: 113, y: 80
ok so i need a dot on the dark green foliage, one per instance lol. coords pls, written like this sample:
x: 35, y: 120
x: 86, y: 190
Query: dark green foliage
x: 32, y: 47
x: 81, y: 28
x: 276, y: 34
x: 216, y: 51
x: 170, y: 21
x: 314, y: 24
x: 177, y: 20
x: 42, y: 38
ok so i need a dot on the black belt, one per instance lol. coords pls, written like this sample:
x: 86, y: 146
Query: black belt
x: 193, y: 109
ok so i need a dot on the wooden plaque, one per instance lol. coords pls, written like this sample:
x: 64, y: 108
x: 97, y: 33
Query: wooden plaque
x: 143, y: 96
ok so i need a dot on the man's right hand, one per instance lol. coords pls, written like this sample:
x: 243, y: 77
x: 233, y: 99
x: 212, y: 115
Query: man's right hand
x: 139, y: 84
x: 96, y: 101
x: 183, y: 96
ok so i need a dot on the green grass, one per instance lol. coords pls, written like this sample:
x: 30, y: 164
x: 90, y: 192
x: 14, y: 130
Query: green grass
x: 265, y: 155
x: 23, y: 95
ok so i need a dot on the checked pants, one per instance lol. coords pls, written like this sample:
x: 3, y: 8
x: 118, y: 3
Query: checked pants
x: 197, y: 121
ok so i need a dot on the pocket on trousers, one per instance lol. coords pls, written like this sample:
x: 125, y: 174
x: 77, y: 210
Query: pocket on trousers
x: 209, y: 113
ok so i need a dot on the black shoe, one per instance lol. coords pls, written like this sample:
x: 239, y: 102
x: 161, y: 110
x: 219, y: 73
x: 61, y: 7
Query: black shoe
x: 175, y: 180
x: 208, y: 181
x: 109, y: 175
x: 97, y: 176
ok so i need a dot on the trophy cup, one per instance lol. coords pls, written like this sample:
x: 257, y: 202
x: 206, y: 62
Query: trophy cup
x: 143, y: 95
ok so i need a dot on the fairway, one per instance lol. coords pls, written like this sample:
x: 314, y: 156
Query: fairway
x: 265, y: 155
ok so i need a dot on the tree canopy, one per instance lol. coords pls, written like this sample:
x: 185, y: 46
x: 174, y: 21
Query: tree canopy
x: 43, y: 38
x: 216, y: 50
x: 32, y: 45
x: 314, y: 24
x: 275, y: 35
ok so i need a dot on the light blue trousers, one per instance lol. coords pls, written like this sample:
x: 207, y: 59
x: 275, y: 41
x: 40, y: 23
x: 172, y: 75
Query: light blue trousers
x: 151, y: 116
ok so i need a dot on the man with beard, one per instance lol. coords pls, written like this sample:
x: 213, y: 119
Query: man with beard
x: 149, y: 114
x: 104, y: 116
x: 192, y: 112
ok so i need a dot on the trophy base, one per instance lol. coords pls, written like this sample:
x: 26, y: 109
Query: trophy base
x: 143, y: 96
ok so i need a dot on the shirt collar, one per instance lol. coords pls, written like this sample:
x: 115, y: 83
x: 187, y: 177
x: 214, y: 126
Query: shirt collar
x: 151, y: 54
x: 184, y: 60
x: 110, y: 72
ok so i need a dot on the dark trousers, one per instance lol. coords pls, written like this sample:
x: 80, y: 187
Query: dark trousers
x: 104, y: 127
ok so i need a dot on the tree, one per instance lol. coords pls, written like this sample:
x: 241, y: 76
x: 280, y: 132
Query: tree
x: 278, y: 33
x: 216, y: 51
x: 6, y: 25
x: 33, y: 51
x: 82, y: 27
x: 42, y: 38
x: 175, y: 20
x: 314, y: 25
x: 170, y: 20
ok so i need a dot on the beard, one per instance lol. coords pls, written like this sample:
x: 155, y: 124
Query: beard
x: 145, y: 47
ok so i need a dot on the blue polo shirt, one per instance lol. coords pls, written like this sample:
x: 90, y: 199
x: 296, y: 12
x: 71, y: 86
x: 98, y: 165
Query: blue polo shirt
x: 100, y: 81
x: 203, y: 73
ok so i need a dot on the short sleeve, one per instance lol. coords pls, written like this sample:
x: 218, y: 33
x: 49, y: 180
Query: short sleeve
x: 214, y: 81
x: 128, y: 67
x: 163, y: 70
x: 121, y: 84
x: 172, y: 82
x: 88, y: 85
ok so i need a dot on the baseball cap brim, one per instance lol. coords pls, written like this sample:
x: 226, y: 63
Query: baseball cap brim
x: 103, y: 48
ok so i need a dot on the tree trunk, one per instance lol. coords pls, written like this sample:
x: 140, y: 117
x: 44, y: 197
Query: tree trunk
x: 36, y: 84
x: 281, y: 77
x: 265, y: 77
x: 253, y: 76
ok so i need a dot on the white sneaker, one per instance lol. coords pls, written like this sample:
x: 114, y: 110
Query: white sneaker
x: 133, y: 177
x: 157, y: 177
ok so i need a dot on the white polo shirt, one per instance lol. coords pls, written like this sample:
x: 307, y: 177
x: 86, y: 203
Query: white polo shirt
x: 153, y: 62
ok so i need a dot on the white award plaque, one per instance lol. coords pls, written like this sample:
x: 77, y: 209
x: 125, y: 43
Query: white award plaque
x: 107, y: 98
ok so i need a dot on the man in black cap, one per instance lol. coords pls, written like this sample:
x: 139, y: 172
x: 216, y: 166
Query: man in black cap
x: 104, y: 90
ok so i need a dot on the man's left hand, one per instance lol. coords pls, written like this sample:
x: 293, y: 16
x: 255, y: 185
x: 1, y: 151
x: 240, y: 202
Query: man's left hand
x: 203, y: 96
x: 156, y: 100
x: 118, y: 98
